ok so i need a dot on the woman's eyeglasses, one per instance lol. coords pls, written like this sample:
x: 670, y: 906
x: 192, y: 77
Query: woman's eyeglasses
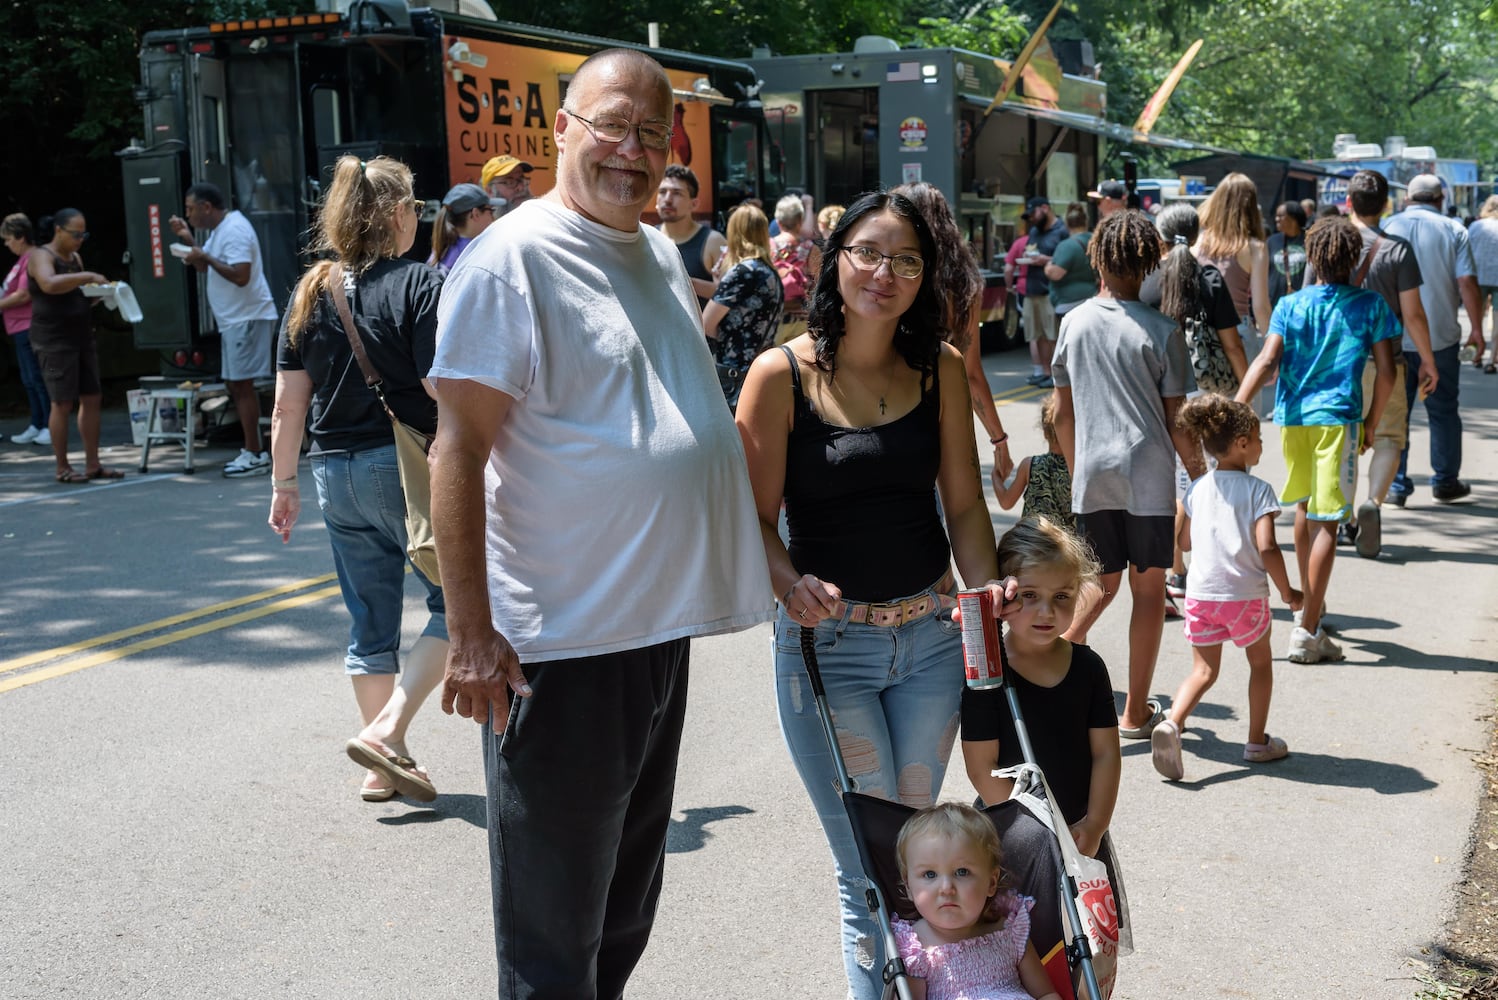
x: 418, y: 206
x: 78, y: 234
x: 904, y: 265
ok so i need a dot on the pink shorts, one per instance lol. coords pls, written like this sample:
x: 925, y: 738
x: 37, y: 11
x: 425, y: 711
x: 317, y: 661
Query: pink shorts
x: 1211, y: 623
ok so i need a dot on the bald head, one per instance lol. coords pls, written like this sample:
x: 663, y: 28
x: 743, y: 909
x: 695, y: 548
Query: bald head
x: 602, y: 68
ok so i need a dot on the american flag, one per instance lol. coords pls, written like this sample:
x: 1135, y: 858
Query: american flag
x: 902, y: 72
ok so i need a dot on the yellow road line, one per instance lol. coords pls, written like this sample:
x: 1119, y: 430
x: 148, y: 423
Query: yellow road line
x: 1019, y: 395
x: 203, y: 628
x: 42, y: 656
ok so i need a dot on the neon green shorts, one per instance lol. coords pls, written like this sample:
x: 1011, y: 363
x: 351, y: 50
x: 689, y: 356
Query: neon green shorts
x: 1322, y: 469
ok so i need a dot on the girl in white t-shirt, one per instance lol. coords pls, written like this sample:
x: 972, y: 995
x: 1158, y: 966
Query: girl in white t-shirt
x: 1229, y: 526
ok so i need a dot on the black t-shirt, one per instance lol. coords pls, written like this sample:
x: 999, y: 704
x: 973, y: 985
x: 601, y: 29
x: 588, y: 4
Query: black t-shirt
x: 1287, y: 265
x: 395, y: 310
x: 1059, y: 719
x: 1036, y: 283
x: 1212, y: 293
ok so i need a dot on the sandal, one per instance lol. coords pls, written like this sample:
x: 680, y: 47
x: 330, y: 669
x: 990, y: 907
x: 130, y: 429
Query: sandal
x: 103, y: 473
x: 409, y: 779
x: 71, y: 476
x: 371, y: 792
x: 1273, y: 748
x: 1157, y: 716
x: 1490, y: 368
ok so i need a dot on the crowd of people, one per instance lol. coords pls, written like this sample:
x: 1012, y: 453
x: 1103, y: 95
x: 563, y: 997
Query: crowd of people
x: 556, y: 349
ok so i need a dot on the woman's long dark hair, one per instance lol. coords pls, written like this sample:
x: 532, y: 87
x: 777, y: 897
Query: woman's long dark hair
x: 955, y: 270
x: 919, y: 333
x: 1180, y: 275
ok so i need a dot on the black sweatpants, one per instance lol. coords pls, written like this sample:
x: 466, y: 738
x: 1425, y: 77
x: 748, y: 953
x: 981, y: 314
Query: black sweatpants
x: 579, y: 798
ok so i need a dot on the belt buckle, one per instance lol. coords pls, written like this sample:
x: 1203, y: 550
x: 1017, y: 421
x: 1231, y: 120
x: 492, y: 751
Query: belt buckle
x: 886, y: 614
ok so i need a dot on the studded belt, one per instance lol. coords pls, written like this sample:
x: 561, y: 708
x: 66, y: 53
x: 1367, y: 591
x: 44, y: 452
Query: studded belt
x: 898, y: 613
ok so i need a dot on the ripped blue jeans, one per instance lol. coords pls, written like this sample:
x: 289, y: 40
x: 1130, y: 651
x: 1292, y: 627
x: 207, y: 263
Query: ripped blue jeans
x: 895, y: 695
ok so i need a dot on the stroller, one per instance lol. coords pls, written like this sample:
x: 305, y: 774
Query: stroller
x: 1037, y: 864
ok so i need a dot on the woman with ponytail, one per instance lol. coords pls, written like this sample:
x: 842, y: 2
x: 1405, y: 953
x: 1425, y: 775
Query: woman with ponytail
x: 368, y: 220
x: 1186, y: 289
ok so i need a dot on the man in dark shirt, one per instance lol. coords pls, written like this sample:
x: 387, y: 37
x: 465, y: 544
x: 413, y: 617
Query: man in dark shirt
x: 700, y: 246
x: 1046, y: 234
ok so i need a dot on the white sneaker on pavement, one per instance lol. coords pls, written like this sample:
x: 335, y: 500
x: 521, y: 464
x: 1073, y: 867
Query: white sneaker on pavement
x: 25, y: 437
x: 1306, y: 647
x: 248, y: 464
x: 44, y: 438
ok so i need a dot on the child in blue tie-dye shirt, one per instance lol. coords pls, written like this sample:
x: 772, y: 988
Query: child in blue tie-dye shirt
x: 1319, y: 340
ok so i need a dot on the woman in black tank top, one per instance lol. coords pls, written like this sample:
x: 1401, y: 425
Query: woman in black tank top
x: 62, y: 335
x: 858, y: 425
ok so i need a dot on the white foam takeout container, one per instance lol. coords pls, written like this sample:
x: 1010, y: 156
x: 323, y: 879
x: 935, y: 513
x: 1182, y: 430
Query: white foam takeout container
x: 117, y: 295
x: 179, y: 249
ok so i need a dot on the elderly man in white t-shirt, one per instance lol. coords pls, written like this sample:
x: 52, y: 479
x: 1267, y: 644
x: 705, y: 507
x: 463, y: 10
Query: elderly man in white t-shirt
x: 242, y: 306
x: 593, y: 513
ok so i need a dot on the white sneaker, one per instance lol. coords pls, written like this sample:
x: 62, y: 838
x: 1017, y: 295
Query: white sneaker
x: 25, y: 437
x: 43, y: 437
x: 248, y: 464
x: 1308, y: 648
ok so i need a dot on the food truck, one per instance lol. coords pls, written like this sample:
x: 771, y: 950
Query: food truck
x: 1400, y: 162
x: 263, y: 107
x: 881, y: 115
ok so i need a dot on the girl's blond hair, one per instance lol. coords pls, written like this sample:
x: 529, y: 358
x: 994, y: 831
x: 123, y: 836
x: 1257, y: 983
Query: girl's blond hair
x: 1230, y: 217
x: 955, y: 821
x: 748, y: 235
x: 1042, y: 542
x: 1048, y: 420
x: 356, y: 225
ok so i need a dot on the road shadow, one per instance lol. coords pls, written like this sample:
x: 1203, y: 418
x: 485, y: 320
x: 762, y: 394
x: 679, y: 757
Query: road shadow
x: 1304, y: 768
x: 462, y: 806
x: 690, y: 833
x: 1391, y: 654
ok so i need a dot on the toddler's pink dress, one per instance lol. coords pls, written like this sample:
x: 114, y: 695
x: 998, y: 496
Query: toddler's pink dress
x: 981, y: 968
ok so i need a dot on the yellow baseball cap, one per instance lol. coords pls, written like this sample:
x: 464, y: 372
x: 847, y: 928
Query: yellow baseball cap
x: 502, y: 166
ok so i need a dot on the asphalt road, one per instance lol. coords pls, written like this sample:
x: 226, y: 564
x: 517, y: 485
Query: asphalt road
x: 180, y: 821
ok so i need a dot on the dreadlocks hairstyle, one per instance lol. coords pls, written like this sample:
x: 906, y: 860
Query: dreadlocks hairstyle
x: 1180, y: 275
x: 1126, y: 245
x: 1217, y: 421
x: 1334, y: 249
x: 918, y: 335
x: 955, y: 270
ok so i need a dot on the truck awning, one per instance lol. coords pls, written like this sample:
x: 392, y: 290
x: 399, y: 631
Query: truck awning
x: 1097, y: 126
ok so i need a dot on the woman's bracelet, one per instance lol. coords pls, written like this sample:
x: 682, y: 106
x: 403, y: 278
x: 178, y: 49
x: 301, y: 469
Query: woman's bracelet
x: 998, y: 440
x: 284, y: 484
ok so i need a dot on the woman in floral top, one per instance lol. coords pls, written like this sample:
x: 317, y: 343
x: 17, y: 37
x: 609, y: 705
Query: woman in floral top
x: 744, y: 313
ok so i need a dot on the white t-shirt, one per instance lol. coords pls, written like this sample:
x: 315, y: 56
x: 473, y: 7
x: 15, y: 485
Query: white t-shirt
x: 1225, y: 560
x: 619, y: 507
x: 233, y: 242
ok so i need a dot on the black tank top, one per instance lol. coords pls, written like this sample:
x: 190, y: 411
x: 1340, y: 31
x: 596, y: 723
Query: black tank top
x: 691, y: 256
x: 860, y: 502
x: 58, y: 320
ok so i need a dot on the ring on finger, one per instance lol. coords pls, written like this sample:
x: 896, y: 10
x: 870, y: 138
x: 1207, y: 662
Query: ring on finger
x: 802, y: 613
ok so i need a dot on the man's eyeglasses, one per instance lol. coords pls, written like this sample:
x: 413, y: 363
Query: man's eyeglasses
x: 904, y: 265
x: 507, y: 181
x: 77, y: 234
x: 613, y: 128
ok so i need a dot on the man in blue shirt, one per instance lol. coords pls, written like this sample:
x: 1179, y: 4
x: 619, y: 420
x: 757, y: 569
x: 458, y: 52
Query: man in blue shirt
x: 1450, y: 277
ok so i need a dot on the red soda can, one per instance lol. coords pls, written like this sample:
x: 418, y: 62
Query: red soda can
x: 980, y: 639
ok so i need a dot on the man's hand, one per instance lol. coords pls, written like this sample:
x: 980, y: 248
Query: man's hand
x: 182, y: 230
x: 196, y: 258
x: 481, y: 673
x: 1477, y: 341
x: 1427, y: 378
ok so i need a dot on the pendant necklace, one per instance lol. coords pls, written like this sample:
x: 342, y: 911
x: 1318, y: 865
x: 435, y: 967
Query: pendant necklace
x: 888, y: 382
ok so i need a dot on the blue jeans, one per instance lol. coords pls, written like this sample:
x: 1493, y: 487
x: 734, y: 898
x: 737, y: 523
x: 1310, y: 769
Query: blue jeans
x: 31, y: 379
x: 1441, y: 414
x: 895, y: 695
x: 365, y: 511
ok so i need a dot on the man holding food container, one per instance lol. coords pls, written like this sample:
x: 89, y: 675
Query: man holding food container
x: 240, y: 300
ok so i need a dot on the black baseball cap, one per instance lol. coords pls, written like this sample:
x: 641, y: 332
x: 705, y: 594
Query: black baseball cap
x: 1037, y: 202
x: 1110, y: 189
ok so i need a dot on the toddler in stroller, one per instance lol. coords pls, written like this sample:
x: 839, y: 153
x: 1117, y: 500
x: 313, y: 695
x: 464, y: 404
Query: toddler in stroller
x: 973, y: 935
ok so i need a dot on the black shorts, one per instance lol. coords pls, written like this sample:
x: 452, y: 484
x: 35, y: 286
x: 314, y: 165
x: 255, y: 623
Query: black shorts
x: 69, y: 372
x: 1120, y: 539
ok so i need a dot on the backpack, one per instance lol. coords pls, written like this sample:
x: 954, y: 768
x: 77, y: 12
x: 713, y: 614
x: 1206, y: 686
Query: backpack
x: 1209, y: 362
x: 792, y: 270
